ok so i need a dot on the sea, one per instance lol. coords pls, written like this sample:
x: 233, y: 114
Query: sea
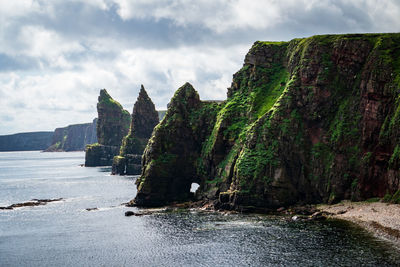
x: 66, y: 233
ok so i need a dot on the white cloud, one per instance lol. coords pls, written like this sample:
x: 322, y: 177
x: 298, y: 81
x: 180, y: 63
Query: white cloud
x: 17, y: 8
x: 74, y: 48
x: 47, y: 45
x: 70, y: 96
x: 221, y: 16
x: 209, y: 70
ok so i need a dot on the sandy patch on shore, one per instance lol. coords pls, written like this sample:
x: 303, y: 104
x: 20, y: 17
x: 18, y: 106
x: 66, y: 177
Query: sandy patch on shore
x: 382, y: 219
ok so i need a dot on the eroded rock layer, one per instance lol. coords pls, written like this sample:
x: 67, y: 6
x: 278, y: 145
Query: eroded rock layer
x: 73, y: 137
x: 306, y: 121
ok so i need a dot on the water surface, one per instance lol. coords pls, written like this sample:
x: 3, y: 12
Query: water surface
x: 66, y: 234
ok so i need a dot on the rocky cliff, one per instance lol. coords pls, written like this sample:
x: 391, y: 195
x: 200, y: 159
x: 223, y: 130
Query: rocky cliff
x: 306, y: 121
x: 112, y: 125
x: 25, y: 141
x: 73, y: 137
x: 144, y: 118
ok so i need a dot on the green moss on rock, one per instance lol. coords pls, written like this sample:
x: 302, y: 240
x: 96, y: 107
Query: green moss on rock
x: 305, y: 121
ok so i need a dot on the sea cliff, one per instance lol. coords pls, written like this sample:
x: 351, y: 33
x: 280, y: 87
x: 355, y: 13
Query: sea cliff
x: 25, y: 141
x: 312, y: 120
x: 74, y: 137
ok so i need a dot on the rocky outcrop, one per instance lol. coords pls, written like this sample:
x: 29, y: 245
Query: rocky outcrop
x: 306, y: 121
x: 144, y: 118
x: 73, y: 137
x: 112, y: 125
x: 174, y: 149
x: 26, y: 141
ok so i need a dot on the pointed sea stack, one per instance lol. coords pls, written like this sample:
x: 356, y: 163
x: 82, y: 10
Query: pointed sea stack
x: 112, y: 126
x: 174, y: 149
x: 144, y: 119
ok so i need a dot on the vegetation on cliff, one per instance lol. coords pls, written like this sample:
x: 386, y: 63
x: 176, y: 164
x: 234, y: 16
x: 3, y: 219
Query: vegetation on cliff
x: 112, y: 125
x: 144, y: 118
x: 309, y: 120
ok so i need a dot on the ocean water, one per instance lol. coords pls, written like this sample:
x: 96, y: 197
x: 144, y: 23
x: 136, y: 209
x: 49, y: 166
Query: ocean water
x: 64, y: 233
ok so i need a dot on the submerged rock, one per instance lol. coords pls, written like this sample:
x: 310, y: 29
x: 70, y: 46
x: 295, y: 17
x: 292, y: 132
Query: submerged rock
x: 112, y: 126
x: 144, y: 118
x: 33, y: 202
x: 129, y: 213
x: 306, y: 121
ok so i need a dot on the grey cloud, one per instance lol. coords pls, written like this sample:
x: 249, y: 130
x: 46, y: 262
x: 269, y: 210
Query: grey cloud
x: 11, y: 63
x: 7, y: 118
x: 105, y: 36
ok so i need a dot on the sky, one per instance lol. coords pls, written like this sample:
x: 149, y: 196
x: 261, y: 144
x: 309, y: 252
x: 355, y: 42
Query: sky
x: 56, y: 55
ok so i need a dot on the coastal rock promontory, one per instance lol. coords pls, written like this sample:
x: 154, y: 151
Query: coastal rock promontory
x: 306, y: 121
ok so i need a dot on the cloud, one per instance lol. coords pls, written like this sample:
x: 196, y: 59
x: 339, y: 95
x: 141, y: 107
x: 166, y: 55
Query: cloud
x: 56, y: 55
x: 221, y: 16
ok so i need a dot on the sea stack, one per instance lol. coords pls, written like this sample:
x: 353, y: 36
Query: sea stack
x: 112, y: 125
x: 144, y: 119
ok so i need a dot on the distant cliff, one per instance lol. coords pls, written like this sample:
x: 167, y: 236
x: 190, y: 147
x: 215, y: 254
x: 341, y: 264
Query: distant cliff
x: 144, y: 118
x: 73, y: 137
x: 306, y: 121
x: 25, y: 141
x: 112, y: 125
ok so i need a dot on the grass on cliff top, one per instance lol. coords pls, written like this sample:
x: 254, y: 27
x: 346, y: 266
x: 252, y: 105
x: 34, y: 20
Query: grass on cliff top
x: 110, y: 102
x: 266, y: 96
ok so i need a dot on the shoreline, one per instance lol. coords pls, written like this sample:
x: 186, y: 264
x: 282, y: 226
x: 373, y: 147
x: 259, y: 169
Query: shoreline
x: 380, y: 219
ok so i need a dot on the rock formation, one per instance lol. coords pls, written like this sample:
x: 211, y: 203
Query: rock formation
x: 112, y: 126
x: 144, y: 118
x: 306, y: 121
x: 25, y: 141
x: 73, y: 137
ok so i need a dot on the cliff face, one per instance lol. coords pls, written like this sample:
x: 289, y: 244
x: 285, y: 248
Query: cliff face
x: 73, y: 137
x: 306, y: 121
x: 144, y: 118
x: 174, y: 149
x: 113, y: 120
x: 25, y: 141
x: 112, y: 126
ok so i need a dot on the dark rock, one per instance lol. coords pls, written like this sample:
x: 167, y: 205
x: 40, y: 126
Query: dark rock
x: 33, y: 202
x: 113, y: 121
x: 91, y: 209
x: 100, y: 155
x: 174, y: 148
x: 144, y: 118
x: 306, y: 121
x: 129, y: 213
x: 112, y: 125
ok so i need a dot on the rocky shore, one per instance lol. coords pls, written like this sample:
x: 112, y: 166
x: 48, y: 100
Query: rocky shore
x: 381, y: 219
x: 33, y: 202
